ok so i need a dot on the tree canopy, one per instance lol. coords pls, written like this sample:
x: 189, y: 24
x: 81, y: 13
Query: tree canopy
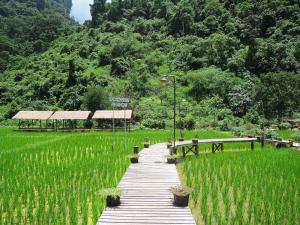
x: 231, y: 58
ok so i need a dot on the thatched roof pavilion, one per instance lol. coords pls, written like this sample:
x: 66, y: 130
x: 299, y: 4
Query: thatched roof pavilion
x: 116, y: 114
x: 71, y: 115
x: 33, y: 115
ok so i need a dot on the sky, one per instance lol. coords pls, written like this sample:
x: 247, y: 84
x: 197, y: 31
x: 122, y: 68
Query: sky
x: 81, y: 10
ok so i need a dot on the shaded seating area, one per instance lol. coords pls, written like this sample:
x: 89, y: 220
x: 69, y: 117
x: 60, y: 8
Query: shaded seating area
x: 34, y: 120
x: 111, y: 117
x: 71, y: 120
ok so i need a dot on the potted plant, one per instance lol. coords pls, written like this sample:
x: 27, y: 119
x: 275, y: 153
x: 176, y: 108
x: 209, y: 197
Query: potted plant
x: 169, y: 144
x: 134, y: 158
x: 172, y: 150
x: 135, y: 149
x: 171, y: 159
x: 113, y: 196
x: 181, y: 196
x: 146, y: 143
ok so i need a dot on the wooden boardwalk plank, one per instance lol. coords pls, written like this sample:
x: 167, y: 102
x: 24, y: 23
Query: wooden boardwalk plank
x: 146, y: 196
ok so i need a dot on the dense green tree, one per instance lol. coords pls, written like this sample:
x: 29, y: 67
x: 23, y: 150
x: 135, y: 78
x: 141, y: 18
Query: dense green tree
x: 279, y: 94
x: 95, y: 98
x: 219, y: 51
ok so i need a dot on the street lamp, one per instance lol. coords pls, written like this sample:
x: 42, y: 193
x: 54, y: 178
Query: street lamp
x: 182, y: 101
x: 165, y: 81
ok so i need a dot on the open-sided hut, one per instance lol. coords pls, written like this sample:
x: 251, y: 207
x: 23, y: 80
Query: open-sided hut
x: 27, y: 119
x: 118, y: 115
x: 70, y: 116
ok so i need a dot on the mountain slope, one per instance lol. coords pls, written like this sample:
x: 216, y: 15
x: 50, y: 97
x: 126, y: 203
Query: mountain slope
x: 226, y: 56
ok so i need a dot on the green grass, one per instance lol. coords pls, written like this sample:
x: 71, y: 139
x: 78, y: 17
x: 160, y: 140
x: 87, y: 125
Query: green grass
x: 286, y: 134
x: 244, y: 187
x: 55, y: 178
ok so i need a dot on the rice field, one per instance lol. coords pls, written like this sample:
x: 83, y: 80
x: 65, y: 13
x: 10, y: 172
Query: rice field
x: 55, y: 178
x: 244, y: 187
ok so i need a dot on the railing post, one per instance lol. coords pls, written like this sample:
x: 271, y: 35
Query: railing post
x: 196, y: 146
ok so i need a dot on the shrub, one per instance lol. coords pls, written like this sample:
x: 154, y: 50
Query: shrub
x: 284, y: 126
x: 271, y: 134
x: 237, y: 131
x: 225, y: 125
x: 251, y: 132
x: 152, y: 123
x: 296, y: 136
x: 189, y: 123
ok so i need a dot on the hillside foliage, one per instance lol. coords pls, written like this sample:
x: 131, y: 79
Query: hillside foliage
x: 235, y: 61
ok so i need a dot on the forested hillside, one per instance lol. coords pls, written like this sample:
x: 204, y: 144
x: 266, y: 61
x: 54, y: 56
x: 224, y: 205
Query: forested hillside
x: 29, y: 26
x: 235, y: 61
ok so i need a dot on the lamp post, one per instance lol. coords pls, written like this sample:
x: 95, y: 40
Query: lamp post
x: 180, y: 114
x: 165, y: 81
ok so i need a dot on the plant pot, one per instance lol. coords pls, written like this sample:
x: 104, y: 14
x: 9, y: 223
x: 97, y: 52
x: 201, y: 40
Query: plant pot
x: 135, y: 150
x: 146, y: 145
x: 181, y: 201
x: 134, y: 160
x: 181, y: 139
x: 171, y: 161
x: 113, y: 201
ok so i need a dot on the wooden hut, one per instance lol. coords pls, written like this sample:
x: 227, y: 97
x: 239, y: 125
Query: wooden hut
x: 28, y: 120
x: 70, y: 117
x: 114, y: 115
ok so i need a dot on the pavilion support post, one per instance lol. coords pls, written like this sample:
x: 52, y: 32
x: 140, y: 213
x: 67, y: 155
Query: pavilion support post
x: 40, y: 124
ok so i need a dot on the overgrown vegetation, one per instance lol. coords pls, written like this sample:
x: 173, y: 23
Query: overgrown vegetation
x: 235, y: 61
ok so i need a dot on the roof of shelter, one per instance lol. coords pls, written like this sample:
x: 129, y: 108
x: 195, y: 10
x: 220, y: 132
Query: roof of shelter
x: 70, y: 115
x: 110, y: 114
x: 33, y: 115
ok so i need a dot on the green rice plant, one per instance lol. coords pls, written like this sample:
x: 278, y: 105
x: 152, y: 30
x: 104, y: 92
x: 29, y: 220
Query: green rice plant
x: 244, y: 187
x: 55, y: 178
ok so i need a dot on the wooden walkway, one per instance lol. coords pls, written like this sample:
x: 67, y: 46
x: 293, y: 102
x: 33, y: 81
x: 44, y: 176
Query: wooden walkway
x: 146, y: 197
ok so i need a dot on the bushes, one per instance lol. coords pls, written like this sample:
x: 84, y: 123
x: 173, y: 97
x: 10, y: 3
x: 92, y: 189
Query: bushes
x: 284, y: 126
x: 296, y: 136
x: 119, y: 66
x: 271, y: 135
x: 152, y: 123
